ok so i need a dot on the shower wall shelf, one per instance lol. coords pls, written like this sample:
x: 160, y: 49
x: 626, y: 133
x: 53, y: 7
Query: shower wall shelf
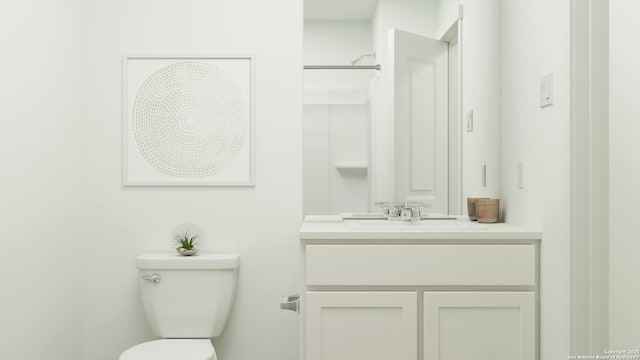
x: 351, y: 166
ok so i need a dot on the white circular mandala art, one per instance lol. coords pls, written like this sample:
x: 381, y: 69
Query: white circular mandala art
x: 188, y: 119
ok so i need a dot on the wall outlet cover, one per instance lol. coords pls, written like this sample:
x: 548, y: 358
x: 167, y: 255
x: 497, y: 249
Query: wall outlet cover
x: 469, y: 118
x: 483, y: 180
x: 546, y: 90
x: 520, y: 175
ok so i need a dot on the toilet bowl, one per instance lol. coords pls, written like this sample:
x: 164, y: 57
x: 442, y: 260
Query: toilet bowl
x: 187, y: 301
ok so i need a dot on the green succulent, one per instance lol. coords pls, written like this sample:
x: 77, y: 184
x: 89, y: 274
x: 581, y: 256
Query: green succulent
x: 185, y: 240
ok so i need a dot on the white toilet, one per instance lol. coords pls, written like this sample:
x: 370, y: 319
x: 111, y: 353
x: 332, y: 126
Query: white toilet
x: 187, y: 300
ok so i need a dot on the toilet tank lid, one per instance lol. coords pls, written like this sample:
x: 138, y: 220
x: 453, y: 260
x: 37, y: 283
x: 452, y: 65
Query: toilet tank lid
x: 170, y: 349
x: 195, y: 262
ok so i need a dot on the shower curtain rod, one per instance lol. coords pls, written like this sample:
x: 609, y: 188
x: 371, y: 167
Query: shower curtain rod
x: 342, y: 67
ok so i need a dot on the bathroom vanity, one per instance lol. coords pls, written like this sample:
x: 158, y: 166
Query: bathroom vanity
x: 445, y: 290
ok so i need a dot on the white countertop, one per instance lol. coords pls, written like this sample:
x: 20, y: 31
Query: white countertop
x: 331, y: 227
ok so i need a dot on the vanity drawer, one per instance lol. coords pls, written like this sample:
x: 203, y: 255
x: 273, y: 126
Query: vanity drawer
x: 426, y: 265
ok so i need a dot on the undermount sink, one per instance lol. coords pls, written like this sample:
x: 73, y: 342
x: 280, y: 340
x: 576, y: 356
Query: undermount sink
x: 422, y: 225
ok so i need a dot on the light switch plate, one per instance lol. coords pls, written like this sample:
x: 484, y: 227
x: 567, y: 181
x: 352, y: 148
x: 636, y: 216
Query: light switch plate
x: 546, y: 90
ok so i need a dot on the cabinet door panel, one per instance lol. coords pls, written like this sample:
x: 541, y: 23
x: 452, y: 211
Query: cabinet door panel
x: 361, y: 325
x: 479, y: 326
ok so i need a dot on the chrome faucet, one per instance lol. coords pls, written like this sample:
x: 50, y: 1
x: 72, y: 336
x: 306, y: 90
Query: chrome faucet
x: 405, y: 211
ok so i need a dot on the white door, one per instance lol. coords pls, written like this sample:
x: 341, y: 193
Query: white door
x: 361, y: 325
x: 420, y: 111
x: 479, y: 325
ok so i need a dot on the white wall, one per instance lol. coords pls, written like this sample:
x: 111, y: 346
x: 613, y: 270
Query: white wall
x: 414, y: 16
x: 540, y: 138
x: 481, y: 72
x: 624, y: 177
x: 40, y: 150
x: 260, y: 223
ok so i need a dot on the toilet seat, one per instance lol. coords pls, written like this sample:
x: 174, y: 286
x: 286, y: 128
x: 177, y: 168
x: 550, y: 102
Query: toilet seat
x: 171, y: 349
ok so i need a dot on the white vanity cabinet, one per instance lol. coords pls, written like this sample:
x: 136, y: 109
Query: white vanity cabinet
x: 372, y: 325
x: 418, y: 295
x: 479, y: 325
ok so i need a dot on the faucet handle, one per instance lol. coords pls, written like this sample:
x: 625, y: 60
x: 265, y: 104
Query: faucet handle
x: 386, y: 206
x: 418, y: 203
x: 390, y: 209
x: 415, y: 206
x: 415, y: 211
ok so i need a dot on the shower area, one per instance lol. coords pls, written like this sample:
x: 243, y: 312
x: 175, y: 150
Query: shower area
x: 340, y: 87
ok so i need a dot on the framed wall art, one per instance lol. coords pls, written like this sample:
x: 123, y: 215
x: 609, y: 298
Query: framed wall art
x: 188, y: 121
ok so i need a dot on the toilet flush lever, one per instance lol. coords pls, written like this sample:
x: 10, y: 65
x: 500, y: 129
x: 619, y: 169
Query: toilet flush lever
x: 291, y: 302
x: 155, y: 278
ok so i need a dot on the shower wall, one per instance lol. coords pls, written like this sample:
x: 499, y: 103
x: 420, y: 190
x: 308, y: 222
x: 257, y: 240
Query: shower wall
x: 336, y: 118
x: 335, y: 151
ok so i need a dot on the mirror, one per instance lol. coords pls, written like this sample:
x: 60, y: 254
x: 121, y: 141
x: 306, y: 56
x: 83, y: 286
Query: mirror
x: 372, y: 135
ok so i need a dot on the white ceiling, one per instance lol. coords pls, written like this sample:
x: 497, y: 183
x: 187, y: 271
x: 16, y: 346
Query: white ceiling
x: 339, y: 9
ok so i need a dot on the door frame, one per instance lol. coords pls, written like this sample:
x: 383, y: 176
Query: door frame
x: 452, y: 34
x: 589, y: 195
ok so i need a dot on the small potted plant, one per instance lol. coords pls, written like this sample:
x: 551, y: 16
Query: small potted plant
x: 186, y: 243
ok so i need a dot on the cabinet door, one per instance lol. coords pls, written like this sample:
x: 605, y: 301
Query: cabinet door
x: 361, y: 325
x: 479, y: 326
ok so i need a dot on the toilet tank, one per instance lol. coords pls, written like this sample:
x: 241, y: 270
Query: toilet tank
x: 193, y: 295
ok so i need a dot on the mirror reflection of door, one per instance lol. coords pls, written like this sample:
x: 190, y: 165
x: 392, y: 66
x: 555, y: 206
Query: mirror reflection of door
x: 419, y: 68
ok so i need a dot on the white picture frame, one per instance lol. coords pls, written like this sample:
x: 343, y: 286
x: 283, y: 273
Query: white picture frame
x: 188, y: 120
